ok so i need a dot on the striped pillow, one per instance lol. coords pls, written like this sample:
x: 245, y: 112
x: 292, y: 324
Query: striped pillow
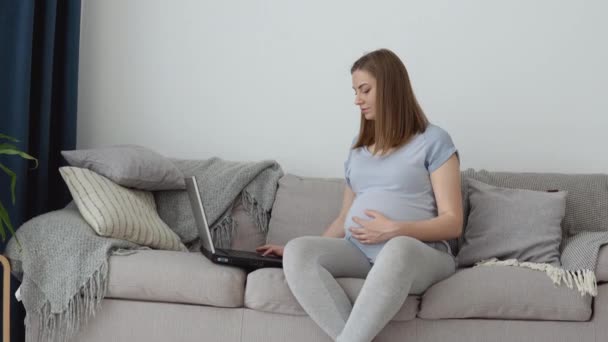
x: 118, y: 212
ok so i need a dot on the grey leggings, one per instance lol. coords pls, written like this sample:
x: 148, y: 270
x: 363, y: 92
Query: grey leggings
x: 404, y: 265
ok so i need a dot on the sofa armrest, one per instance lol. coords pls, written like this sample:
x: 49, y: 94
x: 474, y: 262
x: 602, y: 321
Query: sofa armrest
x: 601, y: 270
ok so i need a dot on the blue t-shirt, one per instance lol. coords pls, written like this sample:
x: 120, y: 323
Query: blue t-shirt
x: 398, y: 185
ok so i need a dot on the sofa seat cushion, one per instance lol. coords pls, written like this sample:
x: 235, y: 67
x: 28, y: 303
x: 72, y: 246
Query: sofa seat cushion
x: 503, y: 292
x: 176, y: 277
x: 268, y: 291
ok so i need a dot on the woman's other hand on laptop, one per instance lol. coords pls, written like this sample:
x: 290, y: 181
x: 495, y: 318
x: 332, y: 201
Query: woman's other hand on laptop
x: 270, y: 249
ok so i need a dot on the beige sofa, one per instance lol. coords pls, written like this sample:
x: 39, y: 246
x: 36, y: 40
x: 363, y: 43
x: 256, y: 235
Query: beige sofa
x: 176, y: 296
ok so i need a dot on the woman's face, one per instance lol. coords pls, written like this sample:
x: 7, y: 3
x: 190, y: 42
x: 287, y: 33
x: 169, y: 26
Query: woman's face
x: 364, y: 85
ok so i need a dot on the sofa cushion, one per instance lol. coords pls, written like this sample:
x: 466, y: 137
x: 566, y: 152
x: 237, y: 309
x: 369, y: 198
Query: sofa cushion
x: 508, y: 223
x: 601, y: 270
x: 176, y: 277
x: 304, y: 206
x: 268, y: 291
x: 503, y: 292
x: 131, y: 166
x: 587, y: 195
x: 115, y: 211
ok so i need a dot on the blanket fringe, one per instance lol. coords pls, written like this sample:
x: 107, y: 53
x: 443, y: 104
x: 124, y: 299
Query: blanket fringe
x: 584, y: 280
x: 260, y: 216
x: 224, y: 230
x: 222, y: 233
x: 81, y: 307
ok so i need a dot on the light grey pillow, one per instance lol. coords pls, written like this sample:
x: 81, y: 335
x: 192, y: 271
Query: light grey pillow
x: 118, y: 212
x: 131, y: 166
x: 508, y: 223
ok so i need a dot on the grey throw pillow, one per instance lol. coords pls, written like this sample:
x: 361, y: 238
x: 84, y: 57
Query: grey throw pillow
x: 508, y: 223
x: 131, y: 166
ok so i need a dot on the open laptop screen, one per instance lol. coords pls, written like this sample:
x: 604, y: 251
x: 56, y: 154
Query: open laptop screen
x: 199, y: 214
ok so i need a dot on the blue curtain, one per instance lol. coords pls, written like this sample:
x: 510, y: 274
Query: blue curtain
x: 39, y: 41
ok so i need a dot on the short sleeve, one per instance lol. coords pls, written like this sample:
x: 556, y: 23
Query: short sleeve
x: 440, y: 148
x: 347, y: 163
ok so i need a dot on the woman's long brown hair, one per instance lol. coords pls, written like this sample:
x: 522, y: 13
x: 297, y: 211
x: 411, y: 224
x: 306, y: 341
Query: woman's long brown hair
x: 398, y: 115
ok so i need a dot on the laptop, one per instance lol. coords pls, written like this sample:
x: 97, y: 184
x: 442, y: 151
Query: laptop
x: 243, y: 259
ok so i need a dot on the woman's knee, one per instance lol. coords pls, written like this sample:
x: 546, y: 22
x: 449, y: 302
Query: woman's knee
x: 403, y: 247
x: 300, y: 245
x: 298, y: 250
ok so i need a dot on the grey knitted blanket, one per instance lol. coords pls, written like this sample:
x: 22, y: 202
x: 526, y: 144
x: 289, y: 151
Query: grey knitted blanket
x: 63, y: 265
x: 220, y: 182
x: 584, y: 227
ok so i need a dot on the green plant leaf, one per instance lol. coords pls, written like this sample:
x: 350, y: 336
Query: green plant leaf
x: 8, y: 147
x: 13, y: 180
x: 7, y: 222
x: 2, y: 232
x: 12, y: 150
x: 7, y: 137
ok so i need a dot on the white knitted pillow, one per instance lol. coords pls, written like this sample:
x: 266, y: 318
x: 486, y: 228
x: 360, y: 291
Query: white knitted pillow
x: 118, y: 212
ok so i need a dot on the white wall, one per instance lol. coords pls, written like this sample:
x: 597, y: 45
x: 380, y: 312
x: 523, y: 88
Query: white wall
x: 520, y: 85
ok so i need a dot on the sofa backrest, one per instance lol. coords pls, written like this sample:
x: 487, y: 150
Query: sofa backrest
x: 304, y: 206
x: 307, y: 205
x: 246, y: 235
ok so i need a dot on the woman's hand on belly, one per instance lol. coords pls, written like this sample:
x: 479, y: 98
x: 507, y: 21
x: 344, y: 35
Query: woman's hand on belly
x: 378, y: 229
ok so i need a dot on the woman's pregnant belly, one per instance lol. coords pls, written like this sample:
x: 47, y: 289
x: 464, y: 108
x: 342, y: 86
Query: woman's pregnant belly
x: 394, y: 206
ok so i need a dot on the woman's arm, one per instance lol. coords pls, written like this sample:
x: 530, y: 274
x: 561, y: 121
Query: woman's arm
x: 336, y: 228
x: 448, y: 223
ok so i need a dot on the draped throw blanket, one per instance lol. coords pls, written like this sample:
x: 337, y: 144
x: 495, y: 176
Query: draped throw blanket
x: 64, y: 265
x: 220, y: 182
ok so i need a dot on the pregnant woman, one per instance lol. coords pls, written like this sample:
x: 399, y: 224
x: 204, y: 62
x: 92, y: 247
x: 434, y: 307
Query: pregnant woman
x: 401, y: 202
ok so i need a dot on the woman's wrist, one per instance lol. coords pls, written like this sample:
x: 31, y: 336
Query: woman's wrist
x: 397, y: 228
